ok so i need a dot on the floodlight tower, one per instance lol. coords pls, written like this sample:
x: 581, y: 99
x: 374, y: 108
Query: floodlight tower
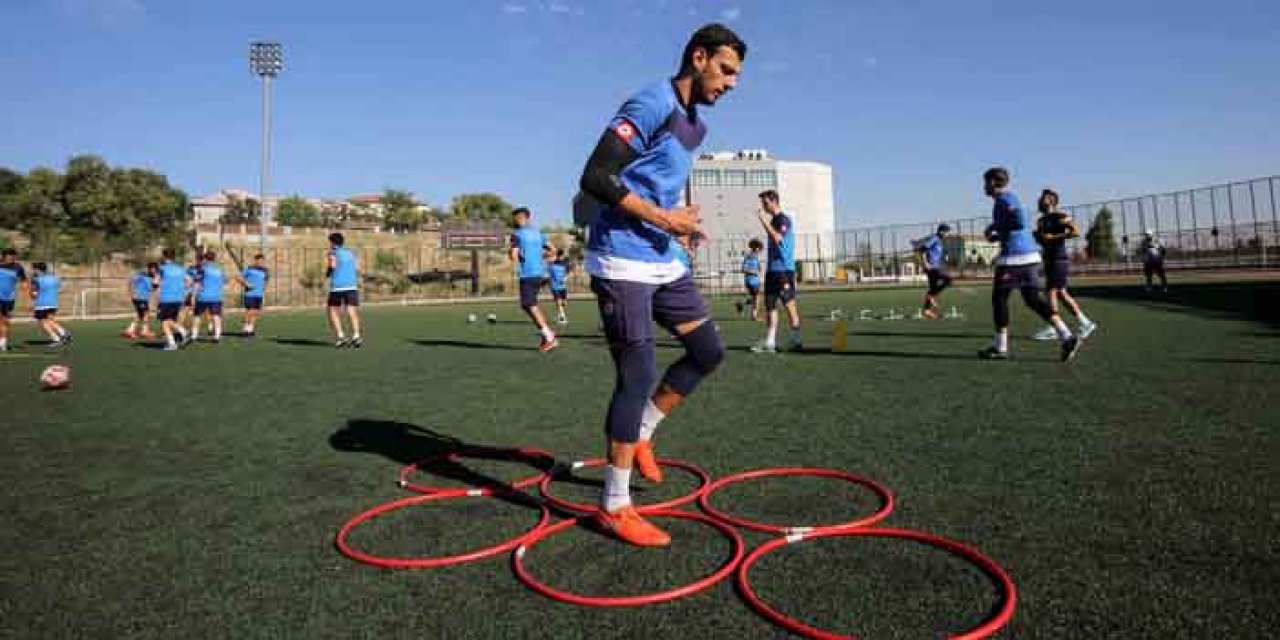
x: 266, y: 59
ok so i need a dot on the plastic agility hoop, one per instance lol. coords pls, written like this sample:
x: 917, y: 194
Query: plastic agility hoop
x: 517, y: 561
x: 582, y: 507
x: 529, y: 455
x: 426, y: 563
x: 993, y: 624
x: 886, y: 500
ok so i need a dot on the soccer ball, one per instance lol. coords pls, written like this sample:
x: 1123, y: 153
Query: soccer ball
x: 55, y: 377
x: 471, y: 318
x: 492, y: 318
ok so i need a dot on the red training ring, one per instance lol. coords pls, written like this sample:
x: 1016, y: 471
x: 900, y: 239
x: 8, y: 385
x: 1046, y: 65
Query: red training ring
x: 582, y: 507
x: 517, y: 561
x: 886, y: 499
x: 425, y: 563
x: 988, y: 565
x: 529, y: 453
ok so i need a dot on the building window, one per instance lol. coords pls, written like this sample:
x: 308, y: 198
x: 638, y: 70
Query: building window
x: 706, y: 177
x: 735, y: 178
x: 762, y: 178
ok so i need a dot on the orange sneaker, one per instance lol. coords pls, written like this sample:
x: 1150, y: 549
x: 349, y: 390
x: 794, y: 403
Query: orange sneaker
x: 647, y: 462
x: 548, y: 345
x: 129, y: 334
x: 627, y: 525
x: 930, y: 314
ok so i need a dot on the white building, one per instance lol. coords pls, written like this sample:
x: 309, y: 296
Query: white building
x: 727, y: 186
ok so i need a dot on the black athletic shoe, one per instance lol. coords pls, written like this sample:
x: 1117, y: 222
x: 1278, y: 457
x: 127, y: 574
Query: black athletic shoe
x: 66, y: 338
x: 355, y: 343
x: 342, y: 343
x: 1069, y: 348
x: 992, y: 353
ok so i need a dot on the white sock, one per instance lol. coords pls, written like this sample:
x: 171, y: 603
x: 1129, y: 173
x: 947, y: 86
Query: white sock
x: 649, y: 420
x: 248, y: 328
x: 195, y: 331
x: 355, y: 335
x: 62, y: 332
x: 169, y: 339
x: 1001, y: 341
x: 4, y: 342
x: 617, y: 488
x: 771, y: 335
x: 341, y: 336
x: 1082, y: 319
x: 548, y: 334
x: 1059, y: 326
x: 133, y: 328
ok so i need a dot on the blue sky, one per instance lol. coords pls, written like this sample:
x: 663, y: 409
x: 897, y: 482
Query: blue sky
x: 909, y: 101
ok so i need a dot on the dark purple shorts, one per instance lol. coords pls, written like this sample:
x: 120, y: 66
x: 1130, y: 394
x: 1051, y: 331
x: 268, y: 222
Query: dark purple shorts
x: 349, y: 298
x: 6, y: 308
x: 629, y: 309
x: 214, y: 308
x: 1022, y: 276
x: 142, y: 308
x: 529, y: 292
x: 1056, y: 273
x: 561, y: 294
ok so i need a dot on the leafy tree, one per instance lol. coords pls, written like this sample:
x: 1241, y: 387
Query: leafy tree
x: 295, y: 211
x: 11, y: 188
x: 400, y: 211
x: 241, y: 210
x: 476, y: 207
x: 1100, y: 242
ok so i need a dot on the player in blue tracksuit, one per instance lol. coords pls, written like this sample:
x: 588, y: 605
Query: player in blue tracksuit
x: 780, y: 280
x: 638, y: 171
x: 527, y: 248
x: 344, y: 291
x: 142, y: 285
x: 1017, y: 267
x: 172, y: 284
x: 559, y: 274
x: 254, y: 280
x: 12, y: 279
x: 751, y: 270
x: 932, y: 253
x: 209, y: 295
x: 45, y: 288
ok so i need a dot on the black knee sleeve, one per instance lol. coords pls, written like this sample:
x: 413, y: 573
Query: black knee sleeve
x: 703, y: 352
x: 1032, y: 297
x: 637, y: 372
x: 1000, y: 307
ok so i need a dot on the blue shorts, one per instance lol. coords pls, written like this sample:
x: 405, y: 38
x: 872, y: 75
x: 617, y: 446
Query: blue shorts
x: 1023, y: 276
x: 252, y: 302
x: 169, y: 311
x: 529, y: 291
x: 1056, y: 273
x: 212, y: 307
x: 141, y: 307
x: 6, y: 308
x: 779, y: 285
x: 560, y: 294
x: 629, y: 309
x: 753, y: 287
x: 45, y: 314
x: 350, y: 298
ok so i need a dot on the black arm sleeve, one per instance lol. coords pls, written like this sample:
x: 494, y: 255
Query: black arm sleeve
x: 601, y: 177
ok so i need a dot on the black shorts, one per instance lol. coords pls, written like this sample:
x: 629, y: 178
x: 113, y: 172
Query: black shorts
x: 1018, y: 277
x: 938, y: 279
x: 779, y: 285
x: 46, y: 314
x: 168, y: 311
x: 252, y: 303
x: 561, y: 294
x: 529, y: 291
x: 141, y: 307
x: 1056, y: 273
x: 629, y: 309
x: 6, y: 308
x: 212, y: 307
x: 349, y: 298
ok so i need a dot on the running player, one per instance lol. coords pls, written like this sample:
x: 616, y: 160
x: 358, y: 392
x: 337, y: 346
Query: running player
x: 1153, y: 260
x: 12, y: 278
x: 344, y: 291
x: 559, y: 271
x: 45, y: 287
x: 171, y: 292
x: 751, y: 279
x: 780, y: 280
x: 254, y: 280
x: 638, y: 169
x: 209, y: 295
x: 189, y: 301
x: 528, y: 245
x: 932, y: 252
x: 1017, y: 267
x: 141, y: 287
x: 1053, y: 229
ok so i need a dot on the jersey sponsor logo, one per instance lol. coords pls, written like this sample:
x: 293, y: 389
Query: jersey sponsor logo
x: 626, y: 131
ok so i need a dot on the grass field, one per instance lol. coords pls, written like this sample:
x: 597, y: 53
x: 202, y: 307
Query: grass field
x: 1130, y: 494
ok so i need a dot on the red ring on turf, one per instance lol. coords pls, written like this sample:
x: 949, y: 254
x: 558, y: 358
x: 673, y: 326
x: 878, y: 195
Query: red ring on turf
x: 425, y: 563
x: 530, y: 455
x: 988, y: 566
x: 582, y: 507
x: 886, y: 499
x: 517, y: 561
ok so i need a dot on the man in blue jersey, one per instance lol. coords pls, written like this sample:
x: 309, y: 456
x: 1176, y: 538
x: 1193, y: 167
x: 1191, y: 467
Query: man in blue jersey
x: 189, y: 302
x: 209, y: 296
x: 638, y: 170
x: 780, y: 279
x: 1053, y: 229
x: 344, y: 292
x: 45, y: 287
x: 142, y: 285
x: 1017, y: 267
x: 254, y: 281
x: 751, y: 279
x: 12, y: 279
x: 559, y: 272
x: 932, y: 255
x: 172, y: 284
x: 527, y: 247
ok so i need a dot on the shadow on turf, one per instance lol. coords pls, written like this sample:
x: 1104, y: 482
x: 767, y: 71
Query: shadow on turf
x: 1236, y: 361
x: 422, y: 342
x: 1258, y: 301
x: 302, y: 342
x: 910, y: 334
x: 810, y: 351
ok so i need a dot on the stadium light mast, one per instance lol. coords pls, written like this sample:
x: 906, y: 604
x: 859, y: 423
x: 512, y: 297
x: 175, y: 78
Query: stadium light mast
x: 266, y: 59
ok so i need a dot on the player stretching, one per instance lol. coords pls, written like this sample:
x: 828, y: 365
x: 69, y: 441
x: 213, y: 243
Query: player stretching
x: 559, y: 271
x: 751, y: 279
x: 527, y: 247
x: 780, y: 280
x: 638, y: 169
x: 254, y: 280
x: 12, y: 278
x: 1053, y: 229
x: 1153, y: 260
x: 935, y: 270
x: 141, y: 286
x: 45, y: 287
x: 173, y: 283
x: 344, y: 291
x: 1017, y: 267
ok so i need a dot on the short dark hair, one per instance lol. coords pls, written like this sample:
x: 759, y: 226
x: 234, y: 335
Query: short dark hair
x: 168, y: 254
x: 519, y: 210
x: 39, y: 266
x: 210, y: 256
x: 997, y: 175
x: 710, y: 38
x: 770, y: 195
x: 1047, y: 193
x: 944, y: 228
x: 152, y: 266
x: 9, y: 252
x: 755, y: 244
x: 336, y: 238
x: 259, y: 256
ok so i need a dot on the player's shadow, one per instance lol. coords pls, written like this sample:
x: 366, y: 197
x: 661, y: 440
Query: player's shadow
x: 423, y: 342
x: 1258, y: 301
x: 908, y: 355
x: 154, y: 346
x: 915, y: 334
x: 302, y: 342
x: 1236, y: 361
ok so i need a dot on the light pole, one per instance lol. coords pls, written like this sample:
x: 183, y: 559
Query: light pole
x: 266, y: 60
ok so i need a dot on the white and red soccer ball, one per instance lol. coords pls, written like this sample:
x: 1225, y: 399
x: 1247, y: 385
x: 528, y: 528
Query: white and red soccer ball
x: 55, y: 376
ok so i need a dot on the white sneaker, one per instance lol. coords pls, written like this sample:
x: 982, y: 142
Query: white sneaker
x: 1047, y: 333
x: 764, y: 347
x: 1087, y: 329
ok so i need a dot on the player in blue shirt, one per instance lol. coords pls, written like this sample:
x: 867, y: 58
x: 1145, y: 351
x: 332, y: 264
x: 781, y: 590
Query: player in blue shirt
x: 528, y: 245
x: 45, y: 287
x: 780, y: 280
x: 12, y: 279
x: 932, y: 254
x: 344, y: 291
x: 1017, y: 267
x: 172, y: 284
x: 751, y: 270
x: 637, y: 172
x: 1053, y: 229
x: 189, y: 301
x: 254, y: 279
x: 142, y: 286
x: 209, y: 296
x: 559, y: 272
